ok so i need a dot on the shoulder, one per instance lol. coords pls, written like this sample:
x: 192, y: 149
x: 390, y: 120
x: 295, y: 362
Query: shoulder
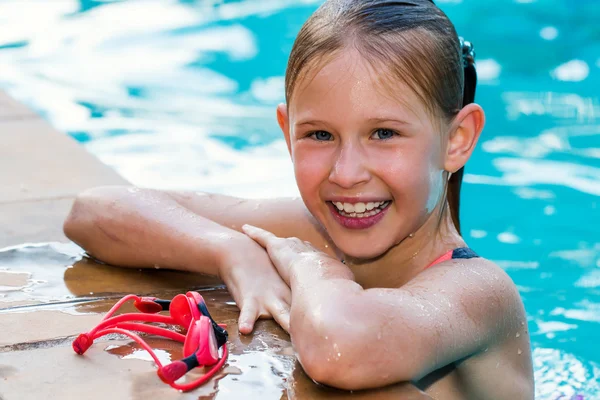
x: 486, y: 293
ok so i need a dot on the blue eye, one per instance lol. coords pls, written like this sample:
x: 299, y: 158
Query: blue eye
x: 321, y: 136
x: 383, y: 134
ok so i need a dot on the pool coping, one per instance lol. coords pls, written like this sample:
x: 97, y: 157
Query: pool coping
x: 41, y: 170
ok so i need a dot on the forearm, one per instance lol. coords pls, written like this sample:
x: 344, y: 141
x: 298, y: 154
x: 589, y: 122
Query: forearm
x: 319, y: 322
x: 147, y: 228
x: 284, y: 217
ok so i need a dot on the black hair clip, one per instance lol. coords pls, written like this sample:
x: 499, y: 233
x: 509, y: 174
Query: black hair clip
x: 468, y: 52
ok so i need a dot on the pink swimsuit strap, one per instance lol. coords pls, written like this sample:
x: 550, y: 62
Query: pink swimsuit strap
x: 460, y: 252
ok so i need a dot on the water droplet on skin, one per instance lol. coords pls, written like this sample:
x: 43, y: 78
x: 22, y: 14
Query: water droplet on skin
x: 337, y: 351
x: 520, y: 351
x: 91, y: 292
x: 518, y: 334
x: 156, y: 266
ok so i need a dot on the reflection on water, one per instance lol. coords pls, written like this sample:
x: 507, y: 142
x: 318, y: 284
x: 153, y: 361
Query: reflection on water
x: 51, y: 273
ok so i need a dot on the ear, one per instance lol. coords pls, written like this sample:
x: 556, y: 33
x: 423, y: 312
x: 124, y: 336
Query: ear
x: 284, y: 123
x: 463, y: 137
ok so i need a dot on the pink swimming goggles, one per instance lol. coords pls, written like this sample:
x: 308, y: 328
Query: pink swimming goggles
x: 201, y: 343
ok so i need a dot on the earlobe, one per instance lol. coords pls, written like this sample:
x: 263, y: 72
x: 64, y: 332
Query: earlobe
x: 462, y: 140
x: 284, y: 123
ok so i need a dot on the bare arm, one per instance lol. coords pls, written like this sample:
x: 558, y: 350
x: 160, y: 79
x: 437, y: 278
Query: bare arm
x: 352, y: 338
x: 182, y: 230
x: 381, y: 336
x: 134, y: 227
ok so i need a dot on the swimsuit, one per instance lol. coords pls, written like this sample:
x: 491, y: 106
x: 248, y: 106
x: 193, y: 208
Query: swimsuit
x: 461, y: 252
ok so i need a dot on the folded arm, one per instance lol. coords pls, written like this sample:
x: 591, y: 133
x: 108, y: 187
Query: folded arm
x: 136, y: 227
x: 352, y: 338
x: 196, y: 232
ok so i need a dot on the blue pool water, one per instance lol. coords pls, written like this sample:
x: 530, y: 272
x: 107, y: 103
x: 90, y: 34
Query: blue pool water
x: 181, y: 94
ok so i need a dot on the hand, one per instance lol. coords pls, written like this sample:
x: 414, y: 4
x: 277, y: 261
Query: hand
x: 290, y: 253
x: 255, y: 285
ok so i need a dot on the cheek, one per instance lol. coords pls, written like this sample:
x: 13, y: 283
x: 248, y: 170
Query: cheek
x: 413, y: 178
x: 310, y: 169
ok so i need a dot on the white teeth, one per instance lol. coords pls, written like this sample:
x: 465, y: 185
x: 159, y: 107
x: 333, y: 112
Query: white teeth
x: 366, y: 214
x: 360, y: 207
x: 349, y: 208
x: 360, y: 210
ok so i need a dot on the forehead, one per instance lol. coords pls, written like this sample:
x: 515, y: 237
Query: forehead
x: 348, y: 85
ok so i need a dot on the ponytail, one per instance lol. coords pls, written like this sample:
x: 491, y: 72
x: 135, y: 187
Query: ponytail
x: 455, y: 181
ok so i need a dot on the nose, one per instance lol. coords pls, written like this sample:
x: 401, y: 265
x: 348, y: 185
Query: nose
x: 349, y: 167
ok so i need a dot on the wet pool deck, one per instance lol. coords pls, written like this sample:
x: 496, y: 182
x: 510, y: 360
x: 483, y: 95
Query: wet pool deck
x: 49, y: 293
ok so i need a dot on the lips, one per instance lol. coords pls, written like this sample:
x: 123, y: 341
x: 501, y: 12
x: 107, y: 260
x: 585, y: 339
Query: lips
x: 358, y: 220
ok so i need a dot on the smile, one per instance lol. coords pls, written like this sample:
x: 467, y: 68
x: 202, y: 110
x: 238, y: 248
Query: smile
x: 358, y: 215
x: 360, y: 210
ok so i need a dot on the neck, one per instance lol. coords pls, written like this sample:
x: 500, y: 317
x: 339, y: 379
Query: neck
x: 412, y: 255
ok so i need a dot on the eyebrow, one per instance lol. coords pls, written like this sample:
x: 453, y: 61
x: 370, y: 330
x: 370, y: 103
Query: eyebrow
x: 399, y: 121
x: 312, y: 122
x: 377, y: 120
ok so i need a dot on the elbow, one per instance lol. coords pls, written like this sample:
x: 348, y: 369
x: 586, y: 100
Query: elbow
x: 79, y: 219
x: 350, y: 368
x: 89, y: 215
x: 329, y: 371
x: 330, y: 353
x: 337, y: 353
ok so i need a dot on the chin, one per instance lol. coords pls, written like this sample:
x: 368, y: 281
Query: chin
x: 358, y: 250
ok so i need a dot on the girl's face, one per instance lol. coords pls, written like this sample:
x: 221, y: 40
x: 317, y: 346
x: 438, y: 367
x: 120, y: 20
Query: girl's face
x: 370, y: 150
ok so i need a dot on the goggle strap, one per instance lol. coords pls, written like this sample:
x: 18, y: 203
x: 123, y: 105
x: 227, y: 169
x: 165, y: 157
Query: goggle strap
x: 191, y: 362
x: 119, y: 303
x: 165, y: 304
x: 152, y: 330
x: 204, y: 378
x: 106, y: 322
x: 122, y: 325
x: 184, y: 387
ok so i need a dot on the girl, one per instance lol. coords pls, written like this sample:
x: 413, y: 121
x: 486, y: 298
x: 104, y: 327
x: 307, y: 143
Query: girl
x: 376, y: 285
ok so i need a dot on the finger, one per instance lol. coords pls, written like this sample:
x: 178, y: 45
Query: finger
x: 248, y: 316
x: 280, y: 311
x: 259, y: 235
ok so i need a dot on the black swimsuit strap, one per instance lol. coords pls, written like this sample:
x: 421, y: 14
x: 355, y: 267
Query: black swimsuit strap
x: 464, y: 252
